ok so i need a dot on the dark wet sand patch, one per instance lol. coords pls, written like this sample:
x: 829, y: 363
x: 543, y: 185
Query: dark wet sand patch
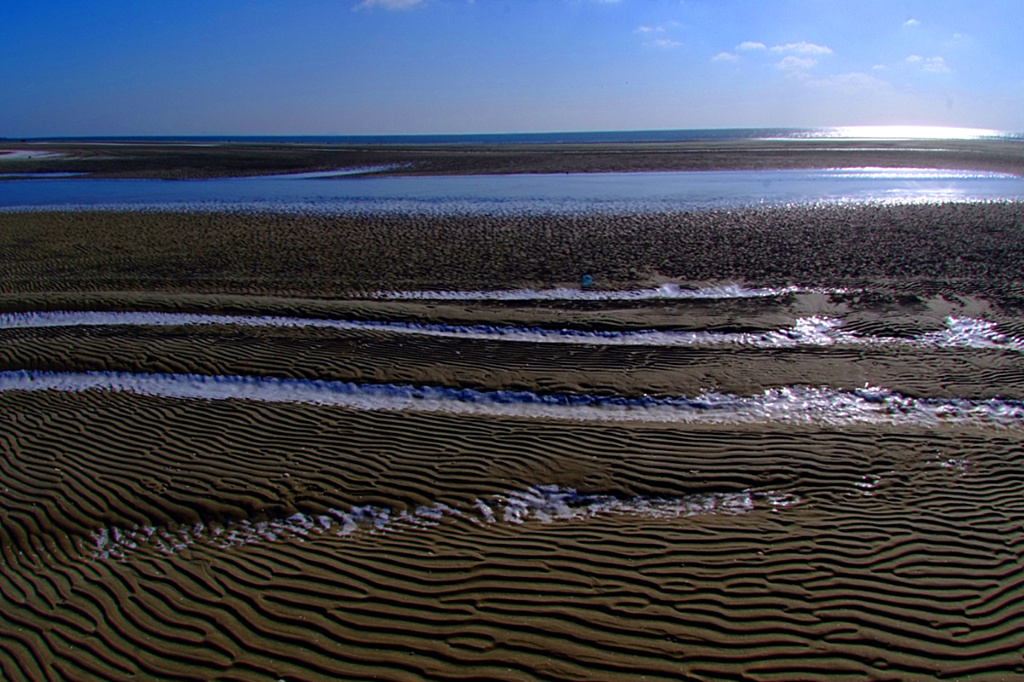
x: 910, y: 250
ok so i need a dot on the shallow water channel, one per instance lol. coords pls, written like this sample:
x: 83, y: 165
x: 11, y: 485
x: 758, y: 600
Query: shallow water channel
x: 349, y: 190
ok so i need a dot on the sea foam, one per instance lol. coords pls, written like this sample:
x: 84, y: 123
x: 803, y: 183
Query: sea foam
x: 537, y: 504
x: 961, y: 332
x: 800, y: 405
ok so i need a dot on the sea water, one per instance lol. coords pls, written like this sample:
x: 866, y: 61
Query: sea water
x: 366, y: 191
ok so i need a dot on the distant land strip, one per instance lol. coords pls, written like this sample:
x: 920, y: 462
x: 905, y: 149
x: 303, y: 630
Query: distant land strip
x: 178, y: 160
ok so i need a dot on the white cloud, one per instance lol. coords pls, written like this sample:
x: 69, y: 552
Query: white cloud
x: 663, y: 43
x: 649, y: 32
x: 911, y: 22
x: 387, y: 4
x: 724, y: 57
x: 750, y: 45
x: 796, y: 67
x: 931, y: 64
x: 802, y: 48
x: 935, y: 65
x: 880, y: 67
x: 852, y: 83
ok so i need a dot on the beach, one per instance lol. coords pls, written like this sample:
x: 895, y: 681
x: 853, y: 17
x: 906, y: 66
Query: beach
x: 756, y: 443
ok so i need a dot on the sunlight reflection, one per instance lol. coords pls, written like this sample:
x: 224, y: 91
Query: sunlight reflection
x: 908, y: 133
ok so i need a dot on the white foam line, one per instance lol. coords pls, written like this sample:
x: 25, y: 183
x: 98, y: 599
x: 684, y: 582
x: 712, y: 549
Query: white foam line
x: 820, y: 406
x: 665, y: 291
x: 808, y: 331
x: 540, y: 504
x: 336, y: 173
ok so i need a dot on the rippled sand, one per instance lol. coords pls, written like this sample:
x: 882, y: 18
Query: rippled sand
x: 209, y: 474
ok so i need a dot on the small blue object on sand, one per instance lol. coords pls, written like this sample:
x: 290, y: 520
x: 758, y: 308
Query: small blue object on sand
x: 587, y: 281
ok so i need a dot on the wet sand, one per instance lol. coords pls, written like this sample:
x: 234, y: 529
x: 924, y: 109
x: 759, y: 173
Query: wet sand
x: 924, y: 249
x: 228, y: 537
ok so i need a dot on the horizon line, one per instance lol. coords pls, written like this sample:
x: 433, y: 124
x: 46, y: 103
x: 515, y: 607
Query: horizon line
x: 803, y: 132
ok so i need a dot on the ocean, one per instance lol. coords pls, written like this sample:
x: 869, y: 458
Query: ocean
x: 579, y: 137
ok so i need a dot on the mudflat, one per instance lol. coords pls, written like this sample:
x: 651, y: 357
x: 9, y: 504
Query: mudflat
x: 763, y: 444
x: 208, y: 160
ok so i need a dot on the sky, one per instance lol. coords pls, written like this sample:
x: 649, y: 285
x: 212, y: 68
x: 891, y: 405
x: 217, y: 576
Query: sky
x: 386, y: 67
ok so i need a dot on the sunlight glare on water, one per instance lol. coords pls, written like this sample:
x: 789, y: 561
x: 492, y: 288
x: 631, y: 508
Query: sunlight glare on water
x: 517, y: 194
x: 904, y: 132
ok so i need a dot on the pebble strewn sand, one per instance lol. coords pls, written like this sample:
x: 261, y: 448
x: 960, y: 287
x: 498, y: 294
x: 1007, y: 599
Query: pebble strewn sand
x: 956, y: 248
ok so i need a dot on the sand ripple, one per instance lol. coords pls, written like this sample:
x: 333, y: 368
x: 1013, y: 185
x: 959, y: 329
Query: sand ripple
x: 280, y: 540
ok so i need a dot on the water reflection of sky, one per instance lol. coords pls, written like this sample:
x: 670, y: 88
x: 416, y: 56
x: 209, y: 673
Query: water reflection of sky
x: 550, y: 193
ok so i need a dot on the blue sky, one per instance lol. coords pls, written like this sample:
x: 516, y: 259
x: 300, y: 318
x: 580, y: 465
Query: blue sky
x: 351, y: 67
